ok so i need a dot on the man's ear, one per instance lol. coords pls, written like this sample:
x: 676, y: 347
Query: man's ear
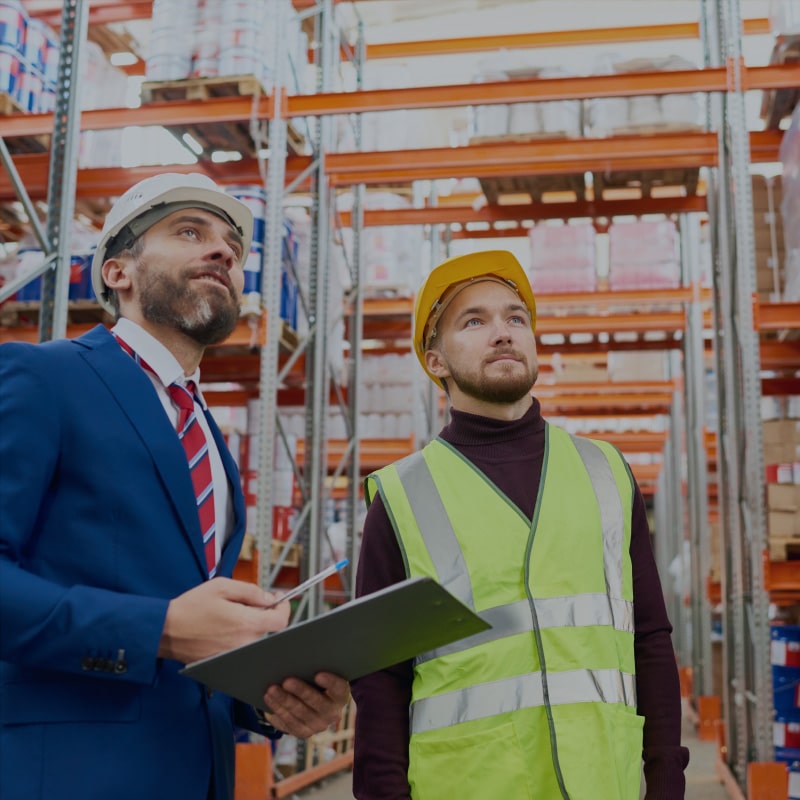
x: 435, y: 364
x: 115, y: 274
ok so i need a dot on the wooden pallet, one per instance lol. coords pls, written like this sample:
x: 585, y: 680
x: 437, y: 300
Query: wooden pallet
x: 655, y: 129
x: 21, y: 144
x: 228, y: 136
x: 536, y: 187
x: 782, y: 549
x: 646, y: 183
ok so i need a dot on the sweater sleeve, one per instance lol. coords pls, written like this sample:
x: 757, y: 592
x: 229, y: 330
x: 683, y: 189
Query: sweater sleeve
x: 657, y: 684
x: 380, y: 765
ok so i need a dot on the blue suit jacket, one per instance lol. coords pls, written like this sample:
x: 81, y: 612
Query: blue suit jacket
x: 98, y: 531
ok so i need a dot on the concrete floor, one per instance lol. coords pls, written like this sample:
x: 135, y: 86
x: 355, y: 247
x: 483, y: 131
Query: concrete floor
x: 701, y: 779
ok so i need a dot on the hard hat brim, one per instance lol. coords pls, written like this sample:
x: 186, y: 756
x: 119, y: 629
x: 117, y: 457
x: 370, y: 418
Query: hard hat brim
x: 210, y: 199
x: 500, y: 263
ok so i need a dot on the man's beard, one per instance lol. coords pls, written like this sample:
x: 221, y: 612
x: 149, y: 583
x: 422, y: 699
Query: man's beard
x: 503, y: 390
x: 173, y: 301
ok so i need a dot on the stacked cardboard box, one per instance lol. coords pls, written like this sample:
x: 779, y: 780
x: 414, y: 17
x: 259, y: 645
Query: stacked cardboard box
x: 769, y: 241
x: 563, y: 258
x: 782, y: 461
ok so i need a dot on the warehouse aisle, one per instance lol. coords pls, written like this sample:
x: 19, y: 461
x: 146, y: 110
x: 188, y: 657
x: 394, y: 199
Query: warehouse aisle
x: 701, y: 779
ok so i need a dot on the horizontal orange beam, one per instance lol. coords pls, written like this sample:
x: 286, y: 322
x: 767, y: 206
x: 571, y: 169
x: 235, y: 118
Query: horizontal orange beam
x: 783, y: 355
x: 105, y: 182
x: 523, y: 212
x: 404, y: 306
x: 655, y: 402
x: 646, y: 472
x: 243, y: 108
x: 617, y: 35
x: 372, y: 453
x: 776, y: 316
x: 101, y: 12
x: 613, y: 387
x: 541, y: 157
x: 526, y: 90
x: 632, y: 441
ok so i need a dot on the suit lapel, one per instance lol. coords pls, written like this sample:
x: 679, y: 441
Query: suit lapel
x: 136, y: 396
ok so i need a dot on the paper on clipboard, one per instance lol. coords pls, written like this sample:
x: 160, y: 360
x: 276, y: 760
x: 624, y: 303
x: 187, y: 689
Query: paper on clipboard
x: 362, y: 636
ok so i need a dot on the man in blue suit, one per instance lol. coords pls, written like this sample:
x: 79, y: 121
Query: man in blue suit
x: 105, y: 576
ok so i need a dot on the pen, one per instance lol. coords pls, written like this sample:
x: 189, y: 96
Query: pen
x: 313, y: 580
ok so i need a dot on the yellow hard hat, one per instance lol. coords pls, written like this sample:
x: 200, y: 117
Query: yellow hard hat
x: 499, y: 265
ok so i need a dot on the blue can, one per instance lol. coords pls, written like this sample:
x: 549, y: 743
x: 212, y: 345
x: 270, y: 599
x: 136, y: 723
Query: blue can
x: 13, y: 21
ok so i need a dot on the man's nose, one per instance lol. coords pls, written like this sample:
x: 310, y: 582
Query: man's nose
x: 502, y: 332
x: 224, y: 252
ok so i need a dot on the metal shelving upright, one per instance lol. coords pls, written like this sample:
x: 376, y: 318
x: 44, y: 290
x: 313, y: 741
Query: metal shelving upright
x: 54, y: 239
x: 746, y: 694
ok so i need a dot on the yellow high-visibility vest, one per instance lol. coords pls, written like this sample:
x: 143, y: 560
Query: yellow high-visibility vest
x: 543, y: 705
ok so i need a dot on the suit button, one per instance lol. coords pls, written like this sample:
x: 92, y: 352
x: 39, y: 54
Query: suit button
x: 87, y: 663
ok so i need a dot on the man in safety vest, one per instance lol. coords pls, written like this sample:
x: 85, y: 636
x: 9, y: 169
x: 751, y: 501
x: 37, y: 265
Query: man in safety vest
x: 545, y: 535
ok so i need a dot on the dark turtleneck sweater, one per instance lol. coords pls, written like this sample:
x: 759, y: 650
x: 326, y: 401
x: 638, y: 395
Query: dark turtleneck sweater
x: 511, y: 454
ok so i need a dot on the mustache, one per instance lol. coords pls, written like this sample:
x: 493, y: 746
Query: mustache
x: 215, y: 272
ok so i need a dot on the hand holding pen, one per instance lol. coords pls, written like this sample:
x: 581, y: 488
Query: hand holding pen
x: 312, y: 581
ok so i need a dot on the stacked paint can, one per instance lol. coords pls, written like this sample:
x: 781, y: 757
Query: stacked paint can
x: 255, y: 198
x: 171, y: 40
x: 28, y: 58
x: 206, y: 45
x: 785, y: 660
x: 12, y: 40
x: 246, y: 26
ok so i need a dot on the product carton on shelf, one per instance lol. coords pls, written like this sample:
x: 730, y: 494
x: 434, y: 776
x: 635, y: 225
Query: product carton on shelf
x: 783, y: 524
x: 562, y: 258
x: 643, y: 255
x: 643, y: 113
x: 637, y: 366
x: 783, y: 497
x: 768, y: 230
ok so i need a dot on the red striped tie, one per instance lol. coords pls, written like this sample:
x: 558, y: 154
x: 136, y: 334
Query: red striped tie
x: 196, y: 447
x: 194, y: 443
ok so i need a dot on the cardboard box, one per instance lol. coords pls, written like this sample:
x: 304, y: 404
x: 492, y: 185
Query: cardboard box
x: 783, y: 524
x: 776, y: 431
x: 780, y: 453
x: 783, y: 497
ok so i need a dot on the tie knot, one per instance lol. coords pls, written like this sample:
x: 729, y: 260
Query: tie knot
x: 183, y: 396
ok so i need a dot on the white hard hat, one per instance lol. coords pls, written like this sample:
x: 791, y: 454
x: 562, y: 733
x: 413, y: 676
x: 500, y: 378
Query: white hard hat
x: 152, y: 199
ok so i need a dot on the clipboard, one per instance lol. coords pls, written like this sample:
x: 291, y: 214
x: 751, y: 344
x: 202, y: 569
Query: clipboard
x: 365, y: 635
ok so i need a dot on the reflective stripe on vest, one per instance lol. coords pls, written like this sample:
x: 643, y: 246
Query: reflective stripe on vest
x: 522, y: 691
x: 444, y: 549
x: 509, y: 620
